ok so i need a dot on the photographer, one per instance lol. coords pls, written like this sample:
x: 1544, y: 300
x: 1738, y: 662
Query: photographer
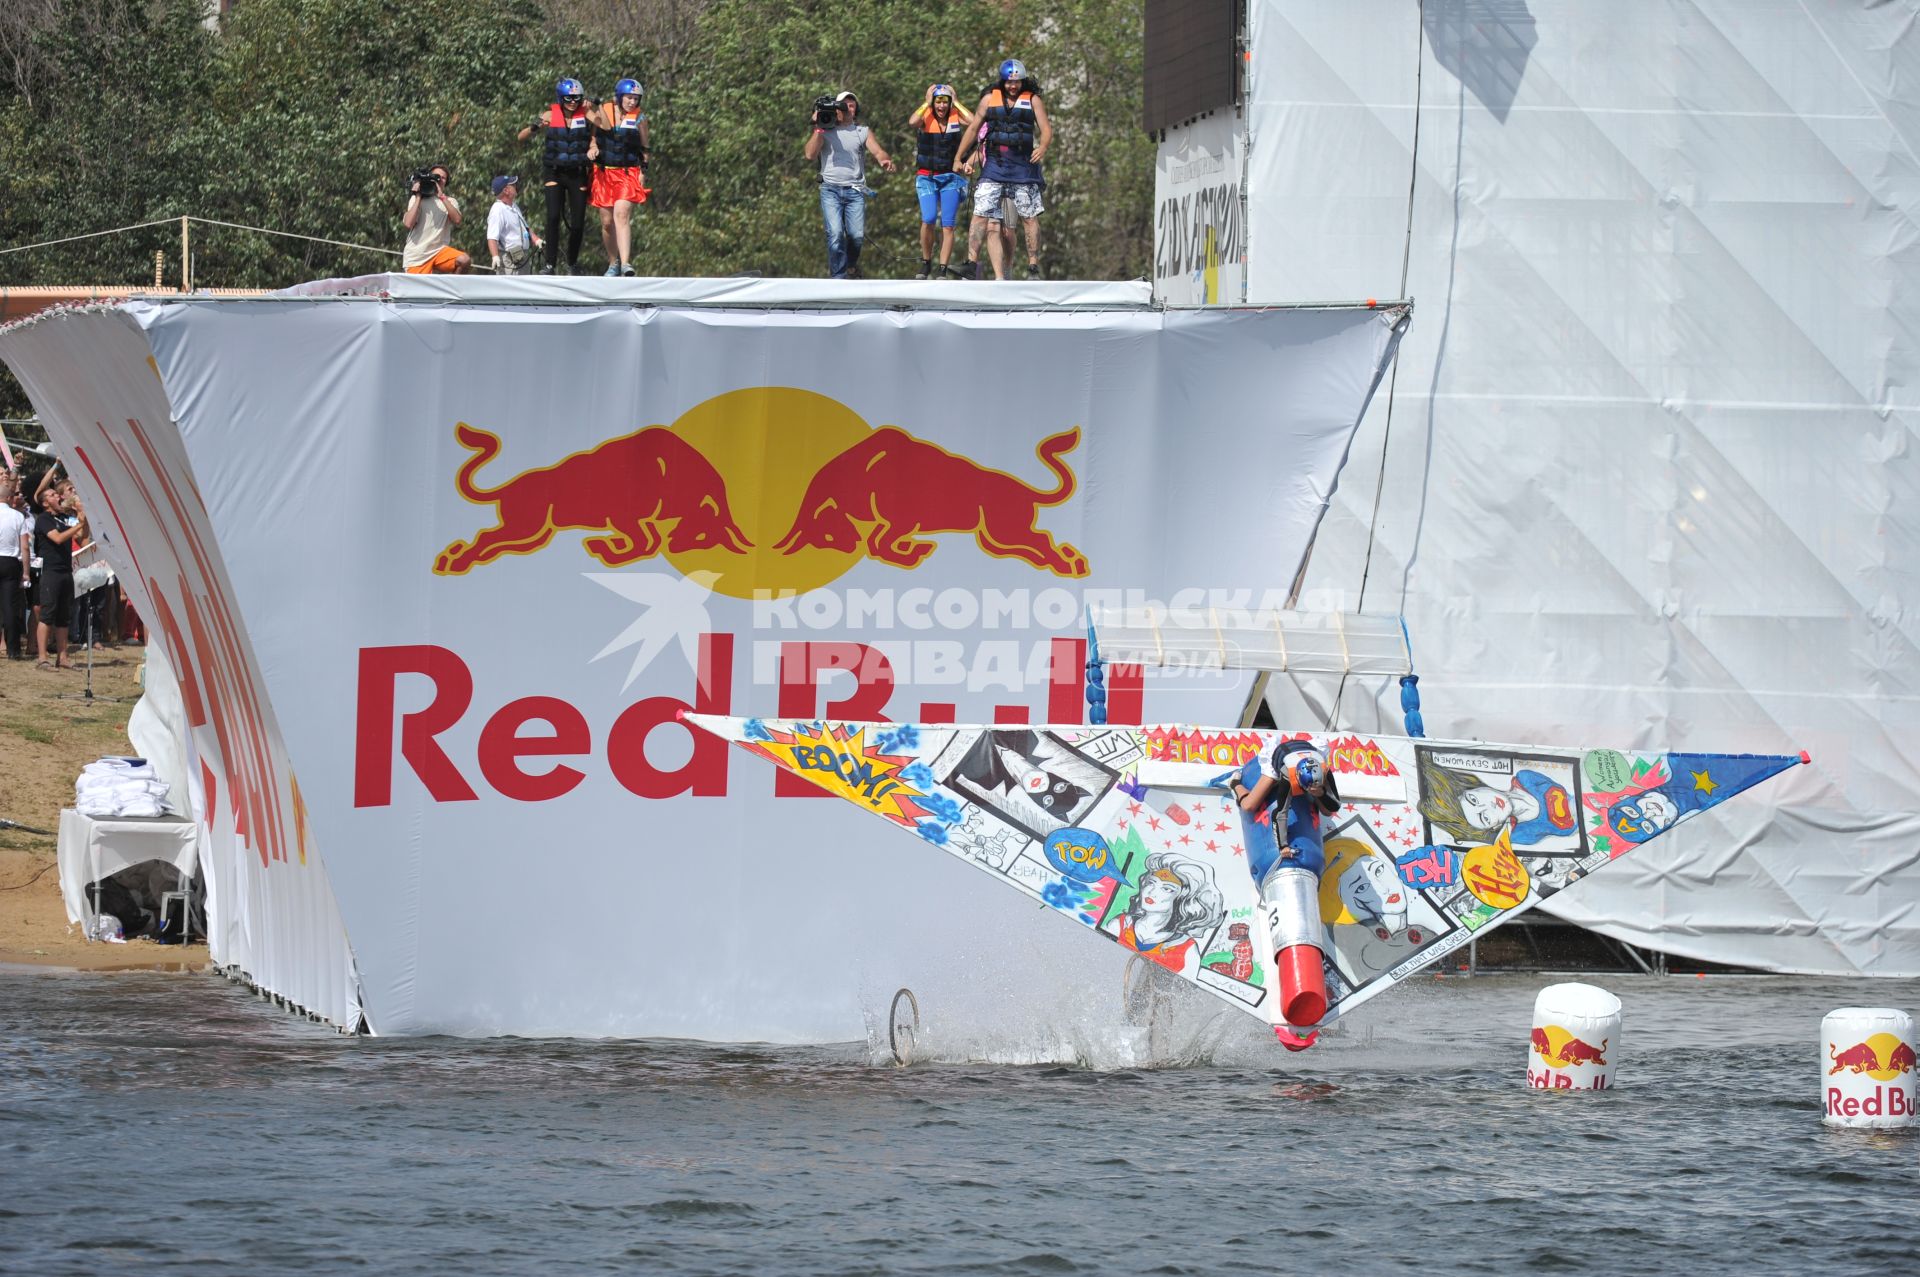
x: 430, y: 218
x: 60, y: 526
x: 566, y: 169
x: 841, y: 146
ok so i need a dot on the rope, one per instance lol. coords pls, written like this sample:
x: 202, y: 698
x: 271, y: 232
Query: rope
x: 1393, y: 379
x: 205, y: 221
x: 317, y: 239
x: 118, y: 230
x: 1406, y: 261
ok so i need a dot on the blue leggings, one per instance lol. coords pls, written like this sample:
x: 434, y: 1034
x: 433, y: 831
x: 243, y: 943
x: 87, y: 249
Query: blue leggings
x: 940, y: 195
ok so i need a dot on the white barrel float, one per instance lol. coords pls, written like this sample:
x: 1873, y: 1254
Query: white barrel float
x: 1866, y: 1067
x: 1576, y: 1039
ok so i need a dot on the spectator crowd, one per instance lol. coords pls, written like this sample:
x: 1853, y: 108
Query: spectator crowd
x: 595, y: 154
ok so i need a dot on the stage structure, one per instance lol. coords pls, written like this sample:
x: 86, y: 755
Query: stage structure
x: 438, y: 563
x: 1645, y: 470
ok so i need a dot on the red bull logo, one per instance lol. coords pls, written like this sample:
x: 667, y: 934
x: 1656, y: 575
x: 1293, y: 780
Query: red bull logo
x: 1881, y: 1057
x: 774, y: 490
x: 1563, y: 1061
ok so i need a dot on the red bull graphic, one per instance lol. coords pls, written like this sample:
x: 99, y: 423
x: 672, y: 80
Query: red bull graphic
x: 820, y: 490
x: 1561, y: 1054
x: 894, y: 489
x: 627, y: 490
x: 1860, y: 1058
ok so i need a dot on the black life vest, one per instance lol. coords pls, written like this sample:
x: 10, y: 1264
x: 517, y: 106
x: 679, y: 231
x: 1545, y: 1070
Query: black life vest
x: 938, y: 142
x: 620, y: 145
x: 567, y: 139
x: 1010, y: 126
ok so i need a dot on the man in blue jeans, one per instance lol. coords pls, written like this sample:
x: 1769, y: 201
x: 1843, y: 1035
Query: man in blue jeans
x: 842, y: 147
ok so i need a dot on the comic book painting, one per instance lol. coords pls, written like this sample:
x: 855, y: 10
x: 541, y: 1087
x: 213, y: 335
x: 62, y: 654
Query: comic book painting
x: 1125, y: 830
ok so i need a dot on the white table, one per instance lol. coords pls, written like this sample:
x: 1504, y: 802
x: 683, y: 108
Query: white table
x: 91, y: 850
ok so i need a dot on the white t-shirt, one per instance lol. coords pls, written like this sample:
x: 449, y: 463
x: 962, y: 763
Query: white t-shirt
x: 507, y: 227
x: 12, y: 524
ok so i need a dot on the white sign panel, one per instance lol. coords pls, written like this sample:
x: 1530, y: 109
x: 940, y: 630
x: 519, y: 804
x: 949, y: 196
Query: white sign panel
x: 1199, y: 239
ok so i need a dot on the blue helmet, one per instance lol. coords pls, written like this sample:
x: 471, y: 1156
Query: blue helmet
x: 569, y: 88
x: 628, y: 86
x: 1013, y: 69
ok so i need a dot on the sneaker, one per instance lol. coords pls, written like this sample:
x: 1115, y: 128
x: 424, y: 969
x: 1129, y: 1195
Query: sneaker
x: 953, y: 272
x: 853, y: 272
x: 973, y: 270
x: 626, y: 270
x: 1033, y: 270
x: 926, y: 268
x: 546, y: 270
x: 612, y: 271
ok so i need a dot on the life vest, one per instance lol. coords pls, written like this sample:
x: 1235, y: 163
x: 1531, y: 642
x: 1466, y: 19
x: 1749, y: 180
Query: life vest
x: 567, y: 139
x: 620, y: 145
x: 938, y: 142
x: 1010, y: 126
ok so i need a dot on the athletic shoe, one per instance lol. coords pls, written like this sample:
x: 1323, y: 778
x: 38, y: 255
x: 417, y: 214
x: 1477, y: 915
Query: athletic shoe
x: 627, y: 271
x: 954, y: 272
x: 926, y: 269
x: 1034, y: 271
x: 546, y: 270
x: 853, y: 272
x: 612, y: 271
x: 973, y: 270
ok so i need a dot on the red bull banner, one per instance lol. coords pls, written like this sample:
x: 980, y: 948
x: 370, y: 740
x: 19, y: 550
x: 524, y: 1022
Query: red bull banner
x: 442, y: 574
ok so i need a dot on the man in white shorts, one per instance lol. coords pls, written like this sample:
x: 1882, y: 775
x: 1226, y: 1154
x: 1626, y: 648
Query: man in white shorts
x: 1018, y: 135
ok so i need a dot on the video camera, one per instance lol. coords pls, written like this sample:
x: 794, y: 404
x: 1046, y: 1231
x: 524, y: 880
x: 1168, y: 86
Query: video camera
x: 423, y: 182
x: 826, y: 111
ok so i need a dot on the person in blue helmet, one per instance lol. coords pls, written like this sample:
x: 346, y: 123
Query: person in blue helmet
x: 619, y: 176
x: 1018, y: 135
x: 938, y: 123
x: 566, y: 169
x: 1293, y: 787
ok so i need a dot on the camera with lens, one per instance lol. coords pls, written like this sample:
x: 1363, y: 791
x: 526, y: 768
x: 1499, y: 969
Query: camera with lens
x: 826, y: 112
x: 424, y: 182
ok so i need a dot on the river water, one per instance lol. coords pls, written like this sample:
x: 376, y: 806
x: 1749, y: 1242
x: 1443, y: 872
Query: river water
x: 154, y: 1123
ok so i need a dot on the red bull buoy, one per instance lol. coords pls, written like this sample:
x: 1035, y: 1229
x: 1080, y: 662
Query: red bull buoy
x: 1575, y: 1040
x: 1292, y: 897
x: 1867, y: 1067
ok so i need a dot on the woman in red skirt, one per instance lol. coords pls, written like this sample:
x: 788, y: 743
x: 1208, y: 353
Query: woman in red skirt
x: 619, y: 177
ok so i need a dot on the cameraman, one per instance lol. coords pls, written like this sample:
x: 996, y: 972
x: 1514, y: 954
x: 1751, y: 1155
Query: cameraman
x: 430, y: 218
x: 841, y: 146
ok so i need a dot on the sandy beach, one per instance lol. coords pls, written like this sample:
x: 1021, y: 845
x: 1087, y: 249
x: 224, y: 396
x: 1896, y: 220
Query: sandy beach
x: 49, y: 730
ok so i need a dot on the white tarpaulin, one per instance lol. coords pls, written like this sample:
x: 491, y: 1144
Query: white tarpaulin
x: 1650, y: 473
x: 270, y: 910
x: 478, y: 556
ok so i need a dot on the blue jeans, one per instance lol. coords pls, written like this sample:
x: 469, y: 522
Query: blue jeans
x: 844, y: 210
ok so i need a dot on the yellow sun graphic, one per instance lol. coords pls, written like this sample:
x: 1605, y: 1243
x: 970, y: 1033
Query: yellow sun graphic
x: 768, y: 442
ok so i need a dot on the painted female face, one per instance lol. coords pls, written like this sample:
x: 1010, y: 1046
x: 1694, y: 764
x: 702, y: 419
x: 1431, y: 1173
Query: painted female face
x: 1051, y: 794
x: 1157, y: 895
x: 1486, y: 807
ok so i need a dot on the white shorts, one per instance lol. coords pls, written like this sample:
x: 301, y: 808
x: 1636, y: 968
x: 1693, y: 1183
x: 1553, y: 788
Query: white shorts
x: 1025, y: 197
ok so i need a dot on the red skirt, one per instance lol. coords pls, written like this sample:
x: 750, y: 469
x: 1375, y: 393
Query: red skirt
x: 611, y: 184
